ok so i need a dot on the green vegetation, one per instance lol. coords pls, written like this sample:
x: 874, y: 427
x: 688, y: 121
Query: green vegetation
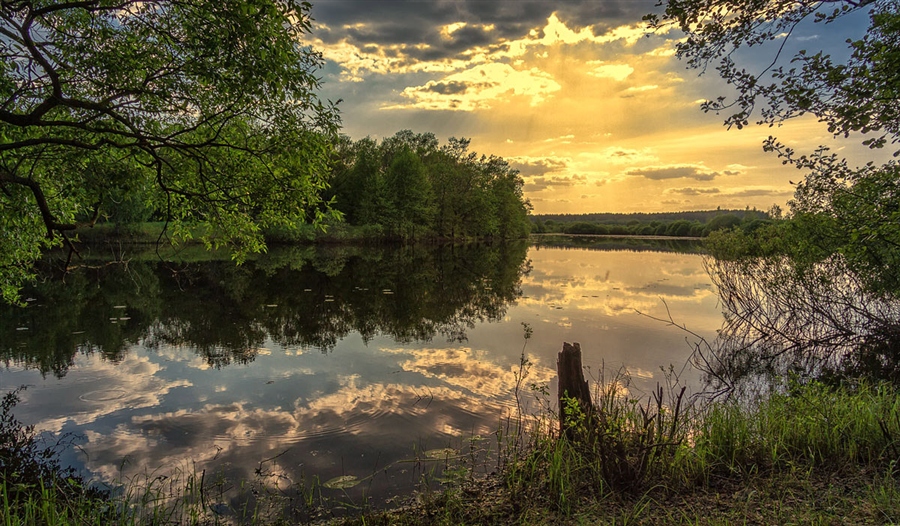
x: 191, y: 111
x: 671, y: 224
x: 34, y: 488
x: 630, y: 243
x: 812, y: 301
x: 817, y: 292
x: 813, y: 455
x: 409, y: 186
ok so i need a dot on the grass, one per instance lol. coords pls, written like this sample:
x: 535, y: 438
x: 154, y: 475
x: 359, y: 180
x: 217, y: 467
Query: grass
x: 815, y: 454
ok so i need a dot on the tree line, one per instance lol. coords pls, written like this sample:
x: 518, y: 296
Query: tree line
x: 409, y: 186
x: 673, y: 224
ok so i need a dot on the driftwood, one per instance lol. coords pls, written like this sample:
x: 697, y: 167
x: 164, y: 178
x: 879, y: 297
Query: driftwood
x: 572, y: 385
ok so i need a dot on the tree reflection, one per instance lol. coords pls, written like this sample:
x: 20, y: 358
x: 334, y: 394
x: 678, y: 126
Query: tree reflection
x: 629, y: 243
x: 784, y: 320
x: 299, y: 296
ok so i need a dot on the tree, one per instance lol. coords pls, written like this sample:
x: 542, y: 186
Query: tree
x: 358, y: 185
x: 822, y: 287
x: 858, y: 95
x: 211, y: 107
x: 408, y: 194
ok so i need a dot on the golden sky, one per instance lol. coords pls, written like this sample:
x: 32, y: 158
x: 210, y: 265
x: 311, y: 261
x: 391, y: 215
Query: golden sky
x: 598, y: 114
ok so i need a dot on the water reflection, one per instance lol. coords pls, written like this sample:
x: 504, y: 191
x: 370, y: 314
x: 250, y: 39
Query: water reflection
x: 306, y: 297
x: 217, y: 368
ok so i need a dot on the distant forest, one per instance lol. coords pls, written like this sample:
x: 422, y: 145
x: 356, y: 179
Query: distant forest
x: 679, y: 224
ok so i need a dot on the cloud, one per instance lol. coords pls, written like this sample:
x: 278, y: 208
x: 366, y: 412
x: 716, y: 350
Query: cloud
x: 538, y: 184
x: 529, y: 166
x: 619, y: 155
x: 634, y: 90
x: 693, y: 191
x: 430, y: 22
x: 407, y: 37
x: 664, y: 51
x: 453, y: 87
x: 618, y: 72
x: 480, y: 87
x: 686, y: 171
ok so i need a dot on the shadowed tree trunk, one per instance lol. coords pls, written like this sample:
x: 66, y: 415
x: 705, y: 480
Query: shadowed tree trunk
x: 572, y: 385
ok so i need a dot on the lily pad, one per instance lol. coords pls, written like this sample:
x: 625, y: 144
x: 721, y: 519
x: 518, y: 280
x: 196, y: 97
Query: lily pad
x: 440, y: 454
x: 342, y: 482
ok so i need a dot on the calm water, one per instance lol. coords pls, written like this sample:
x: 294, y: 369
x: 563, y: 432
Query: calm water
x: 332, y: 362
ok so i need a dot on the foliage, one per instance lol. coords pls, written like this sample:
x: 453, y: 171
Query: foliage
x: 673, y: 224
x: 818, y: 292
x: 30, y: 473
x: 812, y: 454
x: 858, y: 95
x: 811, y: 319
x: 204, y: 111
x: 414, y: 188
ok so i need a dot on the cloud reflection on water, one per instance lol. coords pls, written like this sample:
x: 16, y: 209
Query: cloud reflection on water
x: 372, y: 399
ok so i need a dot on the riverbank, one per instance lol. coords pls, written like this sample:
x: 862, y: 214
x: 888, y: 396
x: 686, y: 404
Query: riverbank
x: 161, y: 233
x: 814, y: 455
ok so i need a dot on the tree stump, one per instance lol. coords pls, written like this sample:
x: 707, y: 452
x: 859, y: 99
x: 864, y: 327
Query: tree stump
x: 572, y: 385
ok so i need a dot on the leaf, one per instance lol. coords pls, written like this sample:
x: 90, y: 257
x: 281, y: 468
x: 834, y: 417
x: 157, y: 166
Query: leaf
x: 440, y: 454
x: 342, y: 482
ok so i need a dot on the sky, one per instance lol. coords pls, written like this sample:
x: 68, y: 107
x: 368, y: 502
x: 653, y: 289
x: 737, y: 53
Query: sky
x: 598, y: 114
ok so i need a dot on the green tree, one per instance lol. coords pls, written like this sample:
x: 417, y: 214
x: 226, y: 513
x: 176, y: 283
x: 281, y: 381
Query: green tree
x: 509, y: 204
x: 408, y: 194
x: 855, y: 95
x: 358, y: 186
x: 819, y: 291
x: 210, y: 107
x: 721, y: 222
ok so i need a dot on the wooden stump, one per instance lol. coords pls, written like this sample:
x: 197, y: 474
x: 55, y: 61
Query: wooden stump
x: 572, y: 385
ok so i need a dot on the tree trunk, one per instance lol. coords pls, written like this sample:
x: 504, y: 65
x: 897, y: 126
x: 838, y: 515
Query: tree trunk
x: 572, y: 385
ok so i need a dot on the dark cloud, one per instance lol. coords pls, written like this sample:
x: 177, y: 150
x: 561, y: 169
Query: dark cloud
x: 414, y: 23
x: 538, y: 166
x: 693, y: 191
x: 760, y: 192
x: 658, y: 173
x: 542, y: 183
x: 455, y: 87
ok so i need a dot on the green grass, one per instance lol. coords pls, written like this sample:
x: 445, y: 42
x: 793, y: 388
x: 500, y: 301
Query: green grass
x: 814, y: 455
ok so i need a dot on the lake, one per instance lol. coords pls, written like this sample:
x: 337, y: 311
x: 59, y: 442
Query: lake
x: 312, y: 363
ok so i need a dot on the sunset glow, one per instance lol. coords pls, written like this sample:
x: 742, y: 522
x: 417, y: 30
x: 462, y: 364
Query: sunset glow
x: 597, y: 113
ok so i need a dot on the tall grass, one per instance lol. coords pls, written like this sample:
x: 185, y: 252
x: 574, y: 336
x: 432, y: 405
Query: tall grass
x: 814, y: 424
x: 628, y: 447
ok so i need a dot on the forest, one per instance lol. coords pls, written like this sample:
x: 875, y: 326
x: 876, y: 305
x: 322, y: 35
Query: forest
x: 410, y: 186
x: 698, y: 223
